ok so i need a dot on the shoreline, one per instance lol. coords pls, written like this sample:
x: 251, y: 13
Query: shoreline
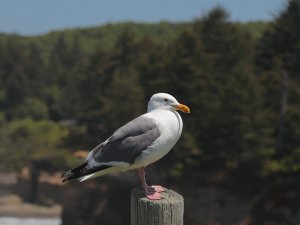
x: 30, y: 221
x: 13, y: 206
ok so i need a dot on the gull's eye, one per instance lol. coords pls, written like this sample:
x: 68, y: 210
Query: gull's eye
x: 166, y: 100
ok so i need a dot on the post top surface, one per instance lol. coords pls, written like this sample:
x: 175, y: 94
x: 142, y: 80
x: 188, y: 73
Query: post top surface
x: 169, y: 196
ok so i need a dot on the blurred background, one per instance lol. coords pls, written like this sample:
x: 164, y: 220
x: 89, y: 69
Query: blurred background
x: 71, y: 72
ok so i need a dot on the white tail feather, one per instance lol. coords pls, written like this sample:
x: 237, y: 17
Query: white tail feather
x: 86, y: 177
x: 103, y: 172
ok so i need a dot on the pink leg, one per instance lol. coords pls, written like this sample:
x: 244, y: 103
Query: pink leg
x: 151, y: 192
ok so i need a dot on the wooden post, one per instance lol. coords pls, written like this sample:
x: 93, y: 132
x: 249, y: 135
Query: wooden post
x: 166, y: 211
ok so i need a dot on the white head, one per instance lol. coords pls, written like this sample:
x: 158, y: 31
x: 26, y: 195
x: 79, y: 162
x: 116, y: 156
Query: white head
x: 166, y: 101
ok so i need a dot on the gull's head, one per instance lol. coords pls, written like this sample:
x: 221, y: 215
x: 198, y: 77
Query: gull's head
x: 166, y: 101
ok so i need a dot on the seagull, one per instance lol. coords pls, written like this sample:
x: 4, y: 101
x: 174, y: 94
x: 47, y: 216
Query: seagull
x: 137, y: 144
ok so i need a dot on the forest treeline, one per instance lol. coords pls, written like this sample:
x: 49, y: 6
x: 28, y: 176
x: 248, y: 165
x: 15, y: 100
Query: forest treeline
x: 242, y: 85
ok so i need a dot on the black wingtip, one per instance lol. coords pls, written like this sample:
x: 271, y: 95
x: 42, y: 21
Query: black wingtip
x: 67, y: 176
x: 81, y: 171
x: 73, y: 173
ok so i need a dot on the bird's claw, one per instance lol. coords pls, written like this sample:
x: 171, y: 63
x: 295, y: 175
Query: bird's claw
x: 157, y: 188
x: 153, y: 196
x: 154, y: 192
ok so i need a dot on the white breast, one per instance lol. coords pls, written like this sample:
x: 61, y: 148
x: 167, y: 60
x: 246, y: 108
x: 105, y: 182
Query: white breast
x: 170, y: 126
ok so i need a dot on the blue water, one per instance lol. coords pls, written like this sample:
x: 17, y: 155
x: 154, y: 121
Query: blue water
x: 29, y: 221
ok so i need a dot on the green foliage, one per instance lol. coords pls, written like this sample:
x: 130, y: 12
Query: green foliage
x: 25, y: 139
x: 277, y: 58
x: 33, y: 108
x: 104, y: 37
x: 255, y: 29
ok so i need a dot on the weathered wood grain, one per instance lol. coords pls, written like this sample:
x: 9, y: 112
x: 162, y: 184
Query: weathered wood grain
x: 167, y: 211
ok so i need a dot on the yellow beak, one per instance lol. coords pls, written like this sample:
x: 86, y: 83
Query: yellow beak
x: 183, y: 108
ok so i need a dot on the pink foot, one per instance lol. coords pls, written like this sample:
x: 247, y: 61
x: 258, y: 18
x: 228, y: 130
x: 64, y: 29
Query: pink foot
x: 153, y: 195
x: 154, y: 192
x: 158, y: 188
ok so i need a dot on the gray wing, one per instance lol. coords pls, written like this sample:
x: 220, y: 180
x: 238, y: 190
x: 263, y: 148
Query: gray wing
x: 127, y: 143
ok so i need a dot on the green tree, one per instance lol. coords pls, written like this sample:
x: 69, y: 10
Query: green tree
x: 26, y: 139
x: 210, y: 66
x: 277, y: 64
x: 14, y: 81
x: 36, y: 144
x: 278, y: 70
x: 63, y: 74
x: 113, y: 90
